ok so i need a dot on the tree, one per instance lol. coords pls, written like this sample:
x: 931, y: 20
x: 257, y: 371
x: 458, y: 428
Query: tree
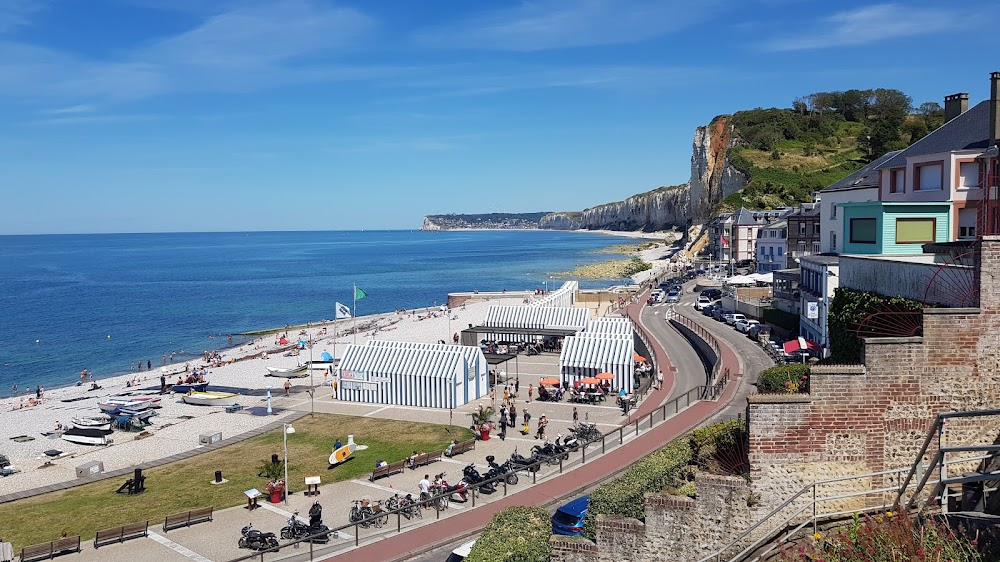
x: 891, y: 106
x: 932, y: 114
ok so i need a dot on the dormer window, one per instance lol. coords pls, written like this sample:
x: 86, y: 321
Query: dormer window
x: 897, y: 180
x: 928, y: 177
x: 968, y: 175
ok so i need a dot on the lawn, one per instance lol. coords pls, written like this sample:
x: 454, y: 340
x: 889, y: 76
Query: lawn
x: 183, y: 485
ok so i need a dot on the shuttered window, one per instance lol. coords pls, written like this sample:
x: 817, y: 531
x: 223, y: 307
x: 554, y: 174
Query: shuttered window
x: 915, y: 231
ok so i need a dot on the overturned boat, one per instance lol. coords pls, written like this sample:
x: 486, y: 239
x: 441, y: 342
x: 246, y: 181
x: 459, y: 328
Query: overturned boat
x: 87, y: 436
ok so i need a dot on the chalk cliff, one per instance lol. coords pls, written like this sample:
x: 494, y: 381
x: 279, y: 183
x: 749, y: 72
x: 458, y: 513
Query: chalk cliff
x: 660, y: 209
x: 561, y: 221
x: 712, y: 176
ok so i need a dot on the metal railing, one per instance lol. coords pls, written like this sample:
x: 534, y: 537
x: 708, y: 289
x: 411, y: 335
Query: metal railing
x: 608, y: 441
x: 806, y: 508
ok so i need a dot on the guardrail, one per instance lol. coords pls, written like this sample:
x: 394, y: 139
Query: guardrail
x: 608, y: 441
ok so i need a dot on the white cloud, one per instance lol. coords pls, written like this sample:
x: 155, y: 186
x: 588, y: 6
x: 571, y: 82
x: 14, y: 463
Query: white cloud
x: 871, y: 24
x: 72, y: 109
x: 96, y: 119
x: 557, y: 24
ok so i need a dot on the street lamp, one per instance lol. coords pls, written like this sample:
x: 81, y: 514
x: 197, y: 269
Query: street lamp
x: 287, y: 430
x: 545, y: 283
x: 312, y: 386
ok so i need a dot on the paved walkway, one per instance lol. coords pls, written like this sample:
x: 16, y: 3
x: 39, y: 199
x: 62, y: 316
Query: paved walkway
x: 401, y: 546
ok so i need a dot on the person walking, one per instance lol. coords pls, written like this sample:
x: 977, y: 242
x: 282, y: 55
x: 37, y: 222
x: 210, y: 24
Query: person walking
x: 506, y: 394
x: 288, y: 386
x: 493, y: 398
x: 163, y: 384
x: 513, y: 413
x: 527, y: 419
x: 531, y: 390
x: 542, y: 422
x: 149, y: 365
x: 576, y: 417
x: 503, y: 425
x: 517, y: 386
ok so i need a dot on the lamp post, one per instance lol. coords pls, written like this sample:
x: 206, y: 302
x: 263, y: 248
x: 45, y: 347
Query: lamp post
x: 312, y: 386
x: 545, y: 283
x: 287, y: 430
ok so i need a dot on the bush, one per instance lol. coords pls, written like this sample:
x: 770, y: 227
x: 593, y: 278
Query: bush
x: 515, y: 534
x: 623, y: 496
x: 850, y: 307
x: 721, y: 448
x: 783, y: 379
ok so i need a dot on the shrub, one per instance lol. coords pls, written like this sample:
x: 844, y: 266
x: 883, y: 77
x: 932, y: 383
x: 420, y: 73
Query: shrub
x: 721, y: 448
x: 887, y: 538
x: 623, y: 496
x: 850, y: 307
x: 783, y: 379
x: 515, y: 534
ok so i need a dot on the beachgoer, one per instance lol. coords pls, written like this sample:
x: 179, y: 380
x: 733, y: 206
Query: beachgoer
x: 493, y: 397
x: 149, y: 365
x: 576, y: 417
x: 425, y: 490
x: 163, y: 384
x: 337, y: 445
x: 513, y: 413
x: 542, y: 422
x: 411, y: 461
x: 517, y: 387
x: 506, y: 394
x: 531, y: 390
x: 288, y: 385
x: 503, y: 425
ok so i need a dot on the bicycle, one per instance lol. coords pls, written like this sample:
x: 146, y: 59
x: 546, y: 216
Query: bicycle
x: 358, y: 513
x: 379, y: 515
x: 440, y: 501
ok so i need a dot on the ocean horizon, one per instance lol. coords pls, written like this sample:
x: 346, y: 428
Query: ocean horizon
x: 105, y: 301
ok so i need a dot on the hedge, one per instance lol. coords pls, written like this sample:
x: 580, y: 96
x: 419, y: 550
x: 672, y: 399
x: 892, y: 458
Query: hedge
x: 847, y: 310
x: 773, y: 379
x: 515, y: 534
x: 623, y: 496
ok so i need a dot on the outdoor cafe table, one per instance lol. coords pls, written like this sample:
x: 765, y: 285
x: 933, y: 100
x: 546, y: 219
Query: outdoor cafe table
x: 594, y: 396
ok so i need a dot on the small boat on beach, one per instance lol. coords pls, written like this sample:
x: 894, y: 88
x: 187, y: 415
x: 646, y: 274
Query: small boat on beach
x: 288, y: 372
x: 87, y: 436
x: 189, y: 386
x: 100, y: 421
x: 113, y: 405
x: 211, y: 398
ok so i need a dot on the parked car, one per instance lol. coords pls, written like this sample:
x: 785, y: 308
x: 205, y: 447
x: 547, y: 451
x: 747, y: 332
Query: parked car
x: 656, y: 294
x: 712, y: 293
x: 734, y: 318
x: 725, y: 316
x: 703, y: 301
x: 720, y: 314
x: 745, y: 325
x: 709, y: 310
x: 673, y: 297
x: 568, y: 519
x: 756, y: 329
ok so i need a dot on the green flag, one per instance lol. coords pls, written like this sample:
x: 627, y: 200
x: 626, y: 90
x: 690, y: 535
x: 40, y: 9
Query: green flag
x: 359, y: 293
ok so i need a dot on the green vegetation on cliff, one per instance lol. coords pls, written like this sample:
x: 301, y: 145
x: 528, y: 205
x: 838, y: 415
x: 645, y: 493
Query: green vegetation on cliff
x: 787, y: 154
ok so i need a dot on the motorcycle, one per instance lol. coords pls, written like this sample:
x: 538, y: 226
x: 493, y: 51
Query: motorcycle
x: 550, y: 452
x: 459, y: 493
x: 473, y: 477
x: 506, y: 470
x: 519, y: 462
x: 571, y: 443
x: 256, y: 540
x: 315, y: 530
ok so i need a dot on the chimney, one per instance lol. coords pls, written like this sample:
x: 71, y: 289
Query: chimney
x: 994, y: 107
x: 955, y: 105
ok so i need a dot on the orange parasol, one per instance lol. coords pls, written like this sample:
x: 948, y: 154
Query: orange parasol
x: 550, y: 382
x: 605, y: 376
x: 638, y: 358
x: 590, y: 380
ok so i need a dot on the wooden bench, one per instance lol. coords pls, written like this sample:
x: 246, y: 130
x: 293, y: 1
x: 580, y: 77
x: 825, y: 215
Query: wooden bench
x: 51, y: 549
x: 187, y: 518
x: 388, y: 470
x: 463, y: 447
x: 121, y: 534
x: 427, y: 458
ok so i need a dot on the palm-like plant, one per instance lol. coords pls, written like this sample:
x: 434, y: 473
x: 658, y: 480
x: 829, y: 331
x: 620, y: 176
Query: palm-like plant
x: 480, y: 418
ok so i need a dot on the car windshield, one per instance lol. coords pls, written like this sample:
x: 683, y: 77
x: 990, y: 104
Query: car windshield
x: 564, y: 518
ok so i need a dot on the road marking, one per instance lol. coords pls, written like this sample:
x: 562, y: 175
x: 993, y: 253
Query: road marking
x: 372, y: 413
x: 176, y: 547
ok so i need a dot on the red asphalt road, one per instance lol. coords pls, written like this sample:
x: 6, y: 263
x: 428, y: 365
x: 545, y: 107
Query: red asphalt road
x: 402, y: 546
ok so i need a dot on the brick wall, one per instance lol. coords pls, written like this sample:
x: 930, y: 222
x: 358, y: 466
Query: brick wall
x: 676, y: 528
x: 872, y: 417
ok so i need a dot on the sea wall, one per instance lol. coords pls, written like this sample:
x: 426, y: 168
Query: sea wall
x: 712, y: 177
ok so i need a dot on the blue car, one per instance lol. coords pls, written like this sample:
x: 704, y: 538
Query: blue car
x: 568, y: 519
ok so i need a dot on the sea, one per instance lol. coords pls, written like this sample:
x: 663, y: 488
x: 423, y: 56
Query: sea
x: 105, y: 301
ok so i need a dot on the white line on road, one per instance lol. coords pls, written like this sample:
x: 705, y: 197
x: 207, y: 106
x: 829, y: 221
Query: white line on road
x: 176, y: 547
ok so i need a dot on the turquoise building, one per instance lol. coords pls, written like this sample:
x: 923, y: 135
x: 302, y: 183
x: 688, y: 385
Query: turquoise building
x: 884, y: 227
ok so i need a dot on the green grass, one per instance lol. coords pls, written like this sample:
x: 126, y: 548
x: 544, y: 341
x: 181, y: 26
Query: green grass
x: 185, y: 484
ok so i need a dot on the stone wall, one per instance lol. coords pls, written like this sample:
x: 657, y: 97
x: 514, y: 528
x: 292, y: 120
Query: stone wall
x: 676, y: 528
x: 873, y: 417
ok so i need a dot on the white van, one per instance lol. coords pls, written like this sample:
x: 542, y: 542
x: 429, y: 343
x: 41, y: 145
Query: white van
x: 461, y: 552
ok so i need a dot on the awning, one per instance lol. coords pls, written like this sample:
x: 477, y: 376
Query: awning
x: 740, y: 280
x: 762, y: 277
x: 800, y: 344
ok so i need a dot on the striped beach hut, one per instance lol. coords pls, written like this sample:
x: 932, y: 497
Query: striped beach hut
x: 586, y: 355
x: 620, y: 326
x: 477, y: 379
x: 402, y: 376
x: 537, y: 317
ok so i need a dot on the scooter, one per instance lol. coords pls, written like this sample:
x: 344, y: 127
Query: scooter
x: 473, y: 477
x: 315, y: 530
x: 256, y: 540
x: 459, y: 493
x: 506, y: 470
x: 570, y: 443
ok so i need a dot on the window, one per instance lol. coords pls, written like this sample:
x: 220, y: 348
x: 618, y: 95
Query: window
x: 967, y: 223
x: 802, y: 228
x: 863, y: 231
x: 815, y: 247
x: 833, y: 210
x: 915, y: 231
x: 928, y: 177
x: 816, y: 229
x: 968, y: 175
x: 779, y: 251
x: 897, y: 180
x: 833, y: 241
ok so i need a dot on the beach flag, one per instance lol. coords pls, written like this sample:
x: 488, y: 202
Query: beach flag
x: 359, y: 293
x: 725, y: 242
x: 342, y: 311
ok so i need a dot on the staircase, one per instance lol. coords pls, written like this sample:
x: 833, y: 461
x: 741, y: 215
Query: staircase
x: 825, y: 501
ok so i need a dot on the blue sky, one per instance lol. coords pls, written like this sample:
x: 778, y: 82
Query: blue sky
x: 207, y: 115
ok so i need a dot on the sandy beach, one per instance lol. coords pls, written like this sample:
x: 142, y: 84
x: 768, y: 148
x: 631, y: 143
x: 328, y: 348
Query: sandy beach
x: 177, y: 426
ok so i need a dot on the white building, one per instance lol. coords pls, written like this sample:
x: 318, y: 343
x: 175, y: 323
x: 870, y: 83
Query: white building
x: 818, y: 281
x: 772, y: 245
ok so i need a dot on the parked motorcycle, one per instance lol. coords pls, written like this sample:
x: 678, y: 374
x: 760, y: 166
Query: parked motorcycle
x: 315, y: 530
x: 506, y: 470
x: 550, y: 452
x: 459, y: 493
x: 256, y: 540
x: 520, y: 462
x: 473, y: 477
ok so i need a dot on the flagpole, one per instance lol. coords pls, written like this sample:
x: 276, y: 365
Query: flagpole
x: 355, y: 314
